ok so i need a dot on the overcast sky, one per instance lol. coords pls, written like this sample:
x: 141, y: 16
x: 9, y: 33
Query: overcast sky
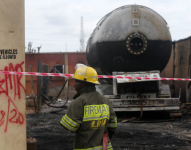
x: 53, y: 23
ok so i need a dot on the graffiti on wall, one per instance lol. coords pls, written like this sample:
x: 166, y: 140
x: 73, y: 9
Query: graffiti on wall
x: 11, y: 87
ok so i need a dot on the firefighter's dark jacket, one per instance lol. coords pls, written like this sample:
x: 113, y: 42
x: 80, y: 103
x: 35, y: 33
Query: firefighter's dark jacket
x: 90, y: 115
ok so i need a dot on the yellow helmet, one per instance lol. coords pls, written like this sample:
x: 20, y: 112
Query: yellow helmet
x: 87, y: 74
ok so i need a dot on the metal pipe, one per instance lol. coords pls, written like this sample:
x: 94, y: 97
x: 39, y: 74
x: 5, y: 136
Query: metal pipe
x: 53, y: 85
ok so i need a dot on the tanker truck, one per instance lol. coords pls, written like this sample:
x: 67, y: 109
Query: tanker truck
x: 132, y: 41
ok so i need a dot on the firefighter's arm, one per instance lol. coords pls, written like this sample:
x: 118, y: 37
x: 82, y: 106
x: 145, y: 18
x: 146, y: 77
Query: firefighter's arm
x: 112, y: 124
x: 74, y: 116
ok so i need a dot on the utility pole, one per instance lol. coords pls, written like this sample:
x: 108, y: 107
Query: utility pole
x: 82, y: 36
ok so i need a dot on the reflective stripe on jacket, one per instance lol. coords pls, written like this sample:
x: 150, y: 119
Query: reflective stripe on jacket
x: 69, y: 124
x: 90, y: 115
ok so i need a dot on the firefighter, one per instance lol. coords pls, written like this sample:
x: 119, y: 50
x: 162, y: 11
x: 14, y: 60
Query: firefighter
x: 90, y: 115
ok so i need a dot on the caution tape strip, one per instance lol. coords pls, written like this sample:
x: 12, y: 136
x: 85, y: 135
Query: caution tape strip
x: 99, y: 76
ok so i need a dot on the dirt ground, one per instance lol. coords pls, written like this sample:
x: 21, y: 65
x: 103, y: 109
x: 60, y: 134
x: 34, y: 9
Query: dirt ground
x: 153, y: 135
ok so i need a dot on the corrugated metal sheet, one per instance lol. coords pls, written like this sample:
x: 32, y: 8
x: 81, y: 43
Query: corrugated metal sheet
x: 179, y: 67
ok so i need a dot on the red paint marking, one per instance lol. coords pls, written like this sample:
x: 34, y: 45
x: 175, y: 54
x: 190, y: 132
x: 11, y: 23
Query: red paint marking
x: 3, y: 115
x: 7, y: 84
x: 1, y: 123
x: 15, y: 113
x: 10, y: 79
x: 21, y: 118
x: 7, y: 122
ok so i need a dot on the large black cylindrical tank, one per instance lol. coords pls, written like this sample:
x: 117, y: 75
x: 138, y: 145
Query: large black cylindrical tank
x: 130, y: 38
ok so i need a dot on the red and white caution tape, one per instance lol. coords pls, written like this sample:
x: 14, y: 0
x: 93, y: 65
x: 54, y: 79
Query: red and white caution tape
x: 143, y: 78
x: 37, y: 74
x: 99, y: 76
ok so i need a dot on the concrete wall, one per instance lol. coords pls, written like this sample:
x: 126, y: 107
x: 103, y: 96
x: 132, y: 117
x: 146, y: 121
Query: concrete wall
x: 69, y: 59
x: 12, y: 87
